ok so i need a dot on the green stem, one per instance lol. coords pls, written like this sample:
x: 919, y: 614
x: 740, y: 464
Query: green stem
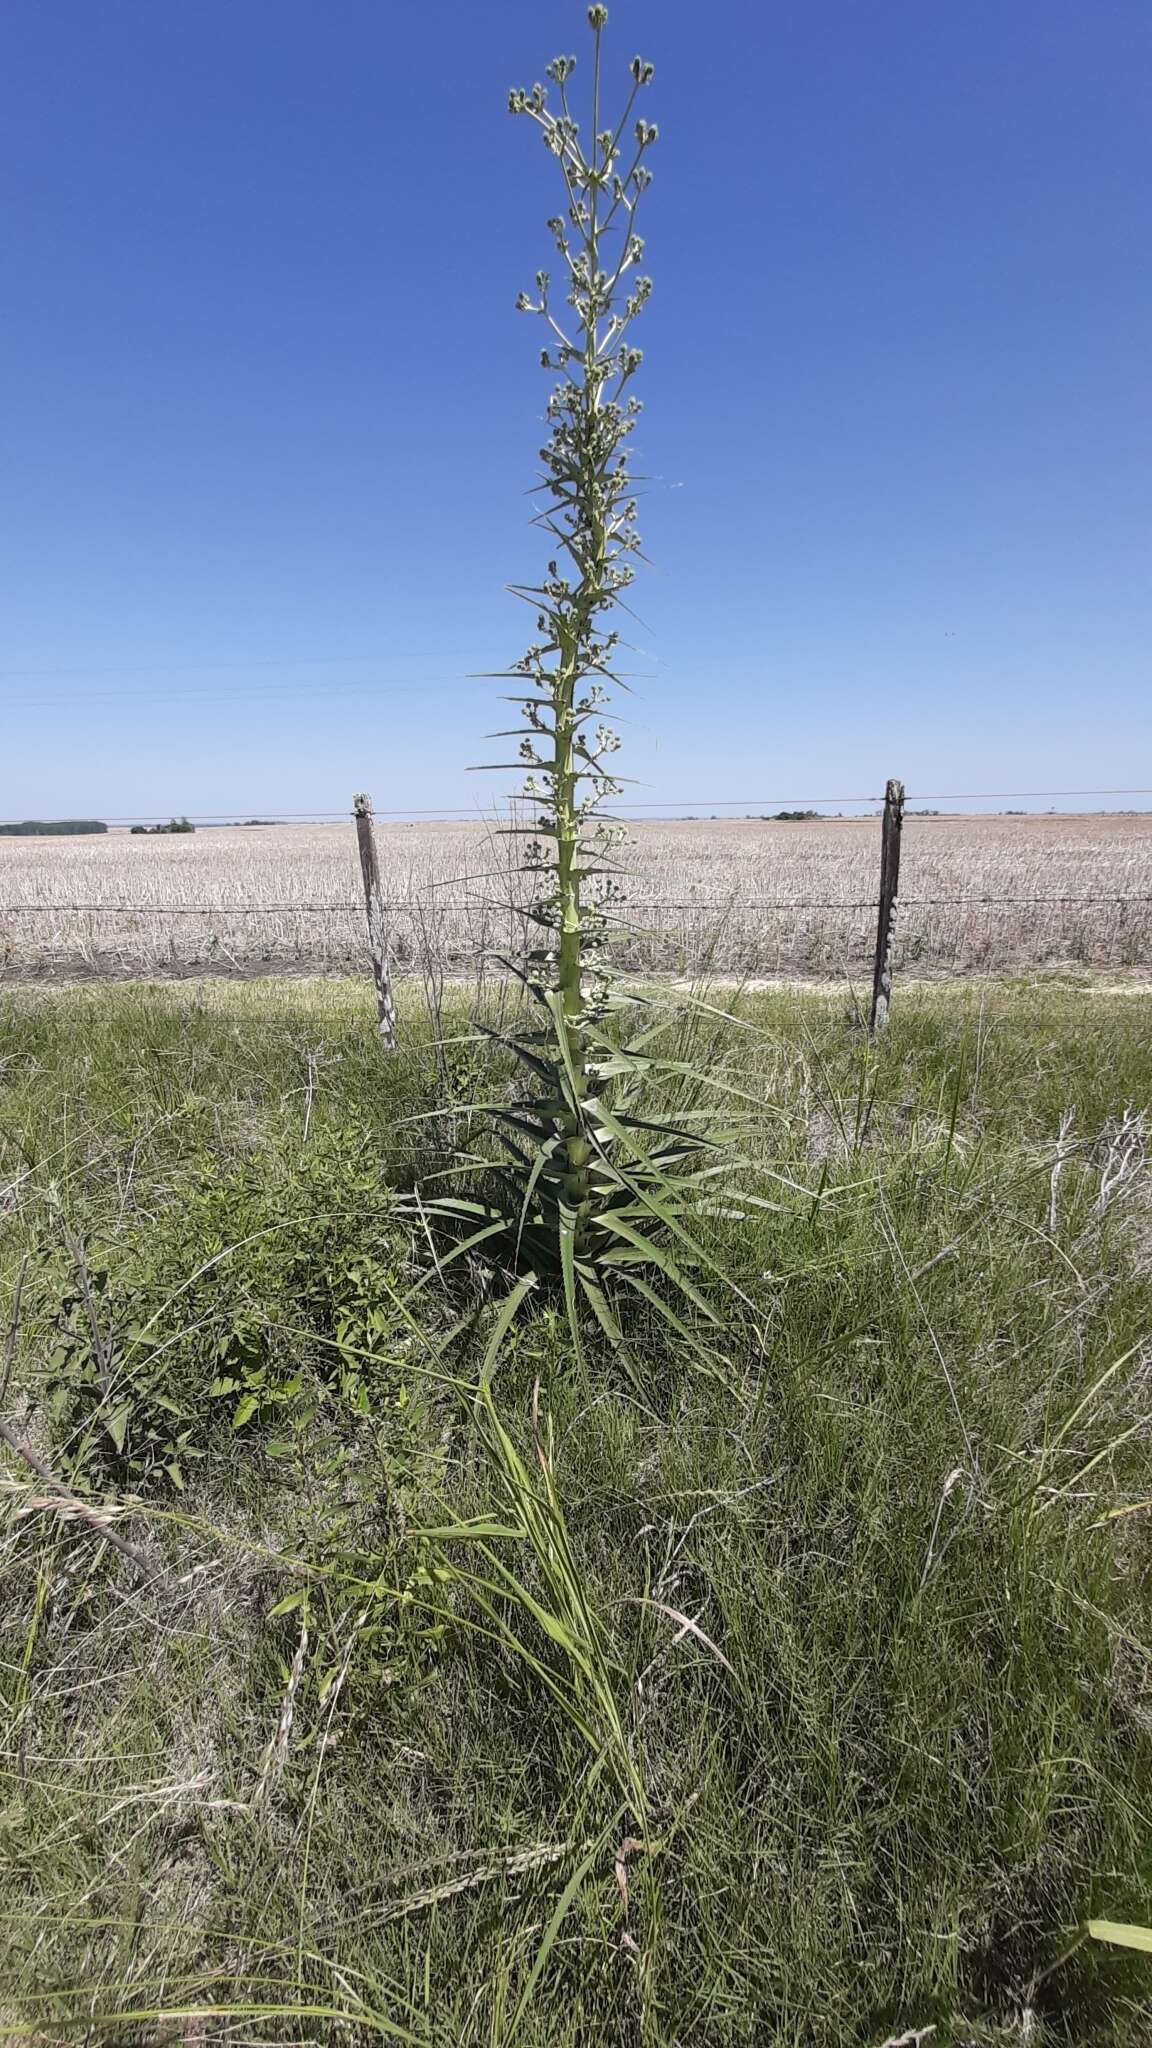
x: 570, y: 667
x: 570, y: 962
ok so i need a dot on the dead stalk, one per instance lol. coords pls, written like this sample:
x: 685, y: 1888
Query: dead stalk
x: 1063, y: 1148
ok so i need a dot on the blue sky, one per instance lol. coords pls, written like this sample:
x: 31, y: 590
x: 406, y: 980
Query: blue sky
x: 270, y: 415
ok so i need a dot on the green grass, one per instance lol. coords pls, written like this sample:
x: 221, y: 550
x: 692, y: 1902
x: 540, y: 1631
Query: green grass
x: 899, y: 1757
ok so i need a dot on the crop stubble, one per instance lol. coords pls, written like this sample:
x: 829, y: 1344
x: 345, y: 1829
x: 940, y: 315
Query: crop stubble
x: 741, y: 896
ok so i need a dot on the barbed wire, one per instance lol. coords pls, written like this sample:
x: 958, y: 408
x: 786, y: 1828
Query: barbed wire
x: 227, y: 910
x: 436, y: 814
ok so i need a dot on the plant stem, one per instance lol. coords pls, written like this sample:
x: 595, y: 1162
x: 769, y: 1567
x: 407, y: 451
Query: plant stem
x: 590, y: 516
x: 570, y: 951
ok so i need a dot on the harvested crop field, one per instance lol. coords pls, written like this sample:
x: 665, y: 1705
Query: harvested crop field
x: 743, y: 896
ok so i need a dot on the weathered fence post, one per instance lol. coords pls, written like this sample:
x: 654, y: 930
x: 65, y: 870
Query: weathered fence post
x: 889, y: 901
x: 377, y: 931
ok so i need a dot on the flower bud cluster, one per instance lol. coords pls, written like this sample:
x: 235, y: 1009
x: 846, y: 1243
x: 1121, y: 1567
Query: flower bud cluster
x: 521, y: 102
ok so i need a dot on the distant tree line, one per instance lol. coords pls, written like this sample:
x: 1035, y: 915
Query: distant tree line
x: 35, y: 828
x: 173, y: 825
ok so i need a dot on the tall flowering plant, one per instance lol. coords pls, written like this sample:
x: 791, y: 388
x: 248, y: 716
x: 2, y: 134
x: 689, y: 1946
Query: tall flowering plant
x: 587, y: 1186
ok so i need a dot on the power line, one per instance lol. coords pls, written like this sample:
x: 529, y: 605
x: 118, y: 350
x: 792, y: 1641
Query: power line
x: 201, y: 700
x: 271, y: 816
x: 172, y: 668
x: 958, y: 797
x: 985, y: 796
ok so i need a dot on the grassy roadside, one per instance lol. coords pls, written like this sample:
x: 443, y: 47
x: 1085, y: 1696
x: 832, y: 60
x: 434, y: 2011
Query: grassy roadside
x: 838, y: 1609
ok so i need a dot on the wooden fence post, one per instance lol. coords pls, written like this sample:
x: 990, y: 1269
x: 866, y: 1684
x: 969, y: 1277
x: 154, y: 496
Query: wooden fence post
x: 377, y: 931
x: 889, y: 901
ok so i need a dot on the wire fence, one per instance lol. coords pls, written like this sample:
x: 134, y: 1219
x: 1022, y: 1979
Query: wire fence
x: 668, y: 809
x: 738, y: 892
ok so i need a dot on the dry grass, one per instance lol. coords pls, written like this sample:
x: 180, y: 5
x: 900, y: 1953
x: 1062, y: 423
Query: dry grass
x: 743, y: 896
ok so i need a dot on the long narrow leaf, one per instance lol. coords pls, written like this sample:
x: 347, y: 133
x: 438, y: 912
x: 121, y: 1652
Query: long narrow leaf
x: 504, y: 1321
x: 1121, y: 1934
x: 548, y: 1939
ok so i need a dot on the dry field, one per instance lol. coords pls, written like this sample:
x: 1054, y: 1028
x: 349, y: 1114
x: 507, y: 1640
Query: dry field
x: 742, y: 896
